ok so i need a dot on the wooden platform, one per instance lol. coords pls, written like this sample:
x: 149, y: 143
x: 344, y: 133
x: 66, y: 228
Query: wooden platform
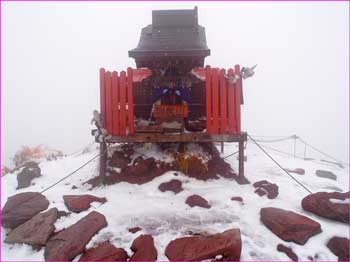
x: 180, y: 137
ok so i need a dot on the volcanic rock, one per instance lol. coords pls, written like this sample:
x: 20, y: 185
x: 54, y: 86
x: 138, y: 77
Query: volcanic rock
x: 134, y: 229
x: 79, y: 203
x: 70, y: 242
x: 239, y: 199
x: 30, y: 171
x: 289, y: 226
x: 326, y: 174
x: 196, y: 200
x: 173, y: 185
x: 35, y: 231
x: 288, y: 251
x: 339, y: 247
x: 264, y: 187
x: 144, y: 249
x: 21, y: 207
x: 321, y: 205
x: 299, y: 171
x: 104, y: 252
x: 142, y: 171
x: 227, y: 244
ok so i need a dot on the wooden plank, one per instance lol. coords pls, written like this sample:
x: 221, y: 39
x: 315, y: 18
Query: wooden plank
x: 215, y: 84
x: 109, y: 120
x: 102, y: 97
x: 208, y: 99
x: 223, y: 102
x: 115, y: 103
x: 130, y: 101
x: 122, y: 114
x: 231, y: 104
x: 238, y: 99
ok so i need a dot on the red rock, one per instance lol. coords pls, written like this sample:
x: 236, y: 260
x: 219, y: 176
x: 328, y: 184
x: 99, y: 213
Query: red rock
x: 70, y: 242
x: 30, y: 171
x: 104, y: 252
x: 141, y: 172
x: 228, y: 244
x: 144, y: 249
x: 134, y: 229
x: 237, y: 199
x: 271, y: 189
x: 196, y: 200
x: 299, y: 171
x: 119, y: 159
x: 339, y: 247
x: 260, y: 191
x: 35, y: 231
x: 320, y: 204
x: 173, y: 185
x: 288, y: 225
x: 288, y: 251
x: 79, y: 203
x: 21, y: 207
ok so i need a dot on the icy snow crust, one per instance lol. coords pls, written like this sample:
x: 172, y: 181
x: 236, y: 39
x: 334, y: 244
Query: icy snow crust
x: 166, y: 216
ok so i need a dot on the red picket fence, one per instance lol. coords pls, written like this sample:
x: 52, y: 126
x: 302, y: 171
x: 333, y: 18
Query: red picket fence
x: 116, y: 102
x: 223, y: 101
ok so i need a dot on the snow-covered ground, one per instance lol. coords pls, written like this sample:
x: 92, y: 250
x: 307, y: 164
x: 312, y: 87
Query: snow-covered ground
x: 166, y: 216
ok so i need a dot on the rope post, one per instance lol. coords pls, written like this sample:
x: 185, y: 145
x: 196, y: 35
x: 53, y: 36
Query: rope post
x: 241, y: 159
x: 222, y: 147
x: 103, y: 161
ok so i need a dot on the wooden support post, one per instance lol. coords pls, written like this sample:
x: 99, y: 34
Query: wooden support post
x: 241, y: 159
x: 103, y: 161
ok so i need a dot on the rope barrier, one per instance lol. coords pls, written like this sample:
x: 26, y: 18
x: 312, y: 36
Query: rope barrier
x: 62, y: 179
x: 282, y: 138
x: 275, y: 140
x: 323, y: 153
x: 269, y: 156
x: 81, y: 149
x: 72, y: 173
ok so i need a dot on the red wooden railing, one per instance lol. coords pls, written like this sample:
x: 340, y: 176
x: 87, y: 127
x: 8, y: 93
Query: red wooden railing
x: 223, y: 101
x: 116, y: 102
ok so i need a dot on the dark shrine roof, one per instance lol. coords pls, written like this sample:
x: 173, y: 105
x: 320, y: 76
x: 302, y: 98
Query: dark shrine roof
x: 173, y: 33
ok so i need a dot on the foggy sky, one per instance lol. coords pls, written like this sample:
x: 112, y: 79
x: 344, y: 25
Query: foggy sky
x: 51, y: 54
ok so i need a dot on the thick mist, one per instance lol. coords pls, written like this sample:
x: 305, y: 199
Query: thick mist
x: 51, y: 54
